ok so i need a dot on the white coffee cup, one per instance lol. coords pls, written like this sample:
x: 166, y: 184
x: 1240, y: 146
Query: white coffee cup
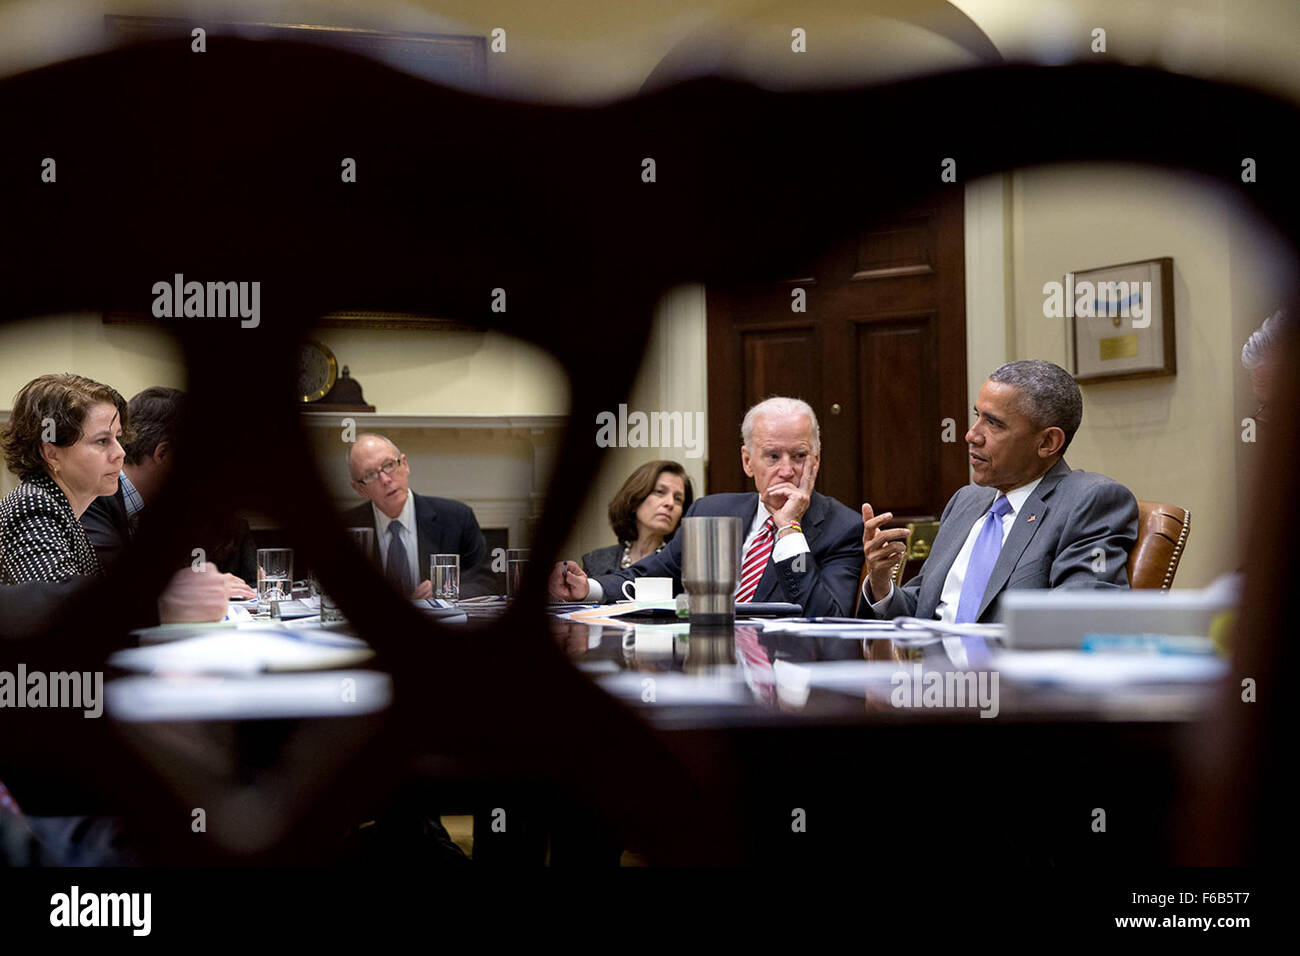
x: 649, y: 589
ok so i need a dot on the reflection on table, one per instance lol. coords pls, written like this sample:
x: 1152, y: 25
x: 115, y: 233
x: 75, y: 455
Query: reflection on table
x: 675, y: 674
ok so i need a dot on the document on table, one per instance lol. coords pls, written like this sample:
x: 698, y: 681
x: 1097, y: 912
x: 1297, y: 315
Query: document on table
x: 851, y: 629
x: 246, y: 650
x: 1090, y: 671
x: 610, y: 613
x: 346, y: 693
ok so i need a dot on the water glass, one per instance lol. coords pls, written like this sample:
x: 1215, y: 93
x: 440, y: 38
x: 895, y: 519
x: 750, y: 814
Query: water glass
x: 274, y: 576
x: 516, y: 565
x: 444, y: 572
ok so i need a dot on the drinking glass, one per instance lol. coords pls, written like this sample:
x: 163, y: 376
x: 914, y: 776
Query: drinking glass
x: 516, y: 565
x: 444, y: 572
x: 274, y: 576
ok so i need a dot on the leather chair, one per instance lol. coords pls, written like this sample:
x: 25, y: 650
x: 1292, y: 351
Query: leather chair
x: 1161, y: 538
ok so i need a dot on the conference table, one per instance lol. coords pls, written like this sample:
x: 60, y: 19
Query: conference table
x: 830, y: 725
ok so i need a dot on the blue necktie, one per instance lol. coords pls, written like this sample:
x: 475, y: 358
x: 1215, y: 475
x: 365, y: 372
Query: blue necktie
x: 982, y: 558
x: 399, y: 571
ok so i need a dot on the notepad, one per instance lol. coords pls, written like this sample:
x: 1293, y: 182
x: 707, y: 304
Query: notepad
x: 248, y: 650
x: 345, y: 693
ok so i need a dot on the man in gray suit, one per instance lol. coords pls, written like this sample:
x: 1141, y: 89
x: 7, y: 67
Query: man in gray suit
x: 1028, y: 521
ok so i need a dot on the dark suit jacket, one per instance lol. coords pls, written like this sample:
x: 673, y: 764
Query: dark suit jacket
x: 227, y: 539
x: 826, y: 586
x: 106, y: 526
x: 443, y: 526
x: 29, y: 607
x: 1052, y: 543
x: 603, y: 560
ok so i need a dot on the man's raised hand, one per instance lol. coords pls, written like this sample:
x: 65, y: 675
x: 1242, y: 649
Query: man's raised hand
x: 882, y: 549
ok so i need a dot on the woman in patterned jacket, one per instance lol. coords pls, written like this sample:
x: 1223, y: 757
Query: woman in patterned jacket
x: 64, y: 441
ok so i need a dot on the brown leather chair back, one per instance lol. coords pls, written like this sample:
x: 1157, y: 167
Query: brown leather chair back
x: 1162, y: 536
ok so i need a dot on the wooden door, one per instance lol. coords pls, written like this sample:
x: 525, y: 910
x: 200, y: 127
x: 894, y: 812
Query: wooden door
x: 879, y: 353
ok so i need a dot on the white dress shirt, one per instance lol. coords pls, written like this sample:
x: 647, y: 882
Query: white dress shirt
x: 950, y: 597
x: 951, y: 594
x: 406, y: 521
x: 787, y: 547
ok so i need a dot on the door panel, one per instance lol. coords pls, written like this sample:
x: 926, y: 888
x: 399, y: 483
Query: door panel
x: 880, y: 354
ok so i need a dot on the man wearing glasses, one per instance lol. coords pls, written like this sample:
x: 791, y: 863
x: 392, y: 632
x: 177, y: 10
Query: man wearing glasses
x: 411, y: 527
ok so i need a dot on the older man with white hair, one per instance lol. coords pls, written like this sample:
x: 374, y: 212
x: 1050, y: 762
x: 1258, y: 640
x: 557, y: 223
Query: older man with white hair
x: 410, y: 527
x: 801, y: 547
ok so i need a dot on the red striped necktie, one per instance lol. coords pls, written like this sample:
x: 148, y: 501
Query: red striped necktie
x: 755, y: 664
x: 751, y: 569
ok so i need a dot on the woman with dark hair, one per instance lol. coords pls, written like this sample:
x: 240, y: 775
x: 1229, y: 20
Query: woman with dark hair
x: 644, y: 515
x: 64, y: 441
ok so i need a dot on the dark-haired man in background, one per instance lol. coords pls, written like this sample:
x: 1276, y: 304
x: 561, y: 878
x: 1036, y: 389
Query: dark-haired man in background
x: 155, y: 416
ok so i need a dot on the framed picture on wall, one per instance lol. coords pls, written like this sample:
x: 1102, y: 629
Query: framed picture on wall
x: 1122, y: 320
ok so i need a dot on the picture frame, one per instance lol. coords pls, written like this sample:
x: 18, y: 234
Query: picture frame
x: 1122, y: 321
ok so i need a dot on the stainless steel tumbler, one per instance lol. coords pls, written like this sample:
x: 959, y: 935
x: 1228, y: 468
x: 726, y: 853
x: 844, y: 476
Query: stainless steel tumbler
x: 711, y: 567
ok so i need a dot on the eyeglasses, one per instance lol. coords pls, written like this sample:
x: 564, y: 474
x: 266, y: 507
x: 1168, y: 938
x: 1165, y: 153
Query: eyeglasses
x: 387, y: 468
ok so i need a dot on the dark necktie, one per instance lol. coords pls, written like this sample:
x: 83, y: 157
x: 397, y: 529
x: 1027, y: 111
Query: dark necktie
x: 398, y: 570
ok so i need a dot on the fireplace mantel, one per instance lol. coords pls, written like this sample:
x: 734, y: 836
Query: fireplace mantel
x: 376, y: 421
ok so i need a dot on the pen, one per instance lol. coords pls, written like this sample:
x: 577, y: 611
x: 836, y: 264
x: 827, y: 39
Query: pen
x: 564, y: 573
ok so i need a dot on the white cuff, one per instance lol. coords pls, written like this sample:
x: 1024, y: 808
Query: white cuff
x: 877, y: 606
x: 789, y: 546
x: 595, y: 593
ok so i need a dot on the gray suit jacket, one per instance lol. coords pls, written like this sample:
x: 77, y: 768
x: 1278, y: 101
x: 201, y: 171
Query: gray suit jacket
x: 824, y: 586
x: 1053, y: 542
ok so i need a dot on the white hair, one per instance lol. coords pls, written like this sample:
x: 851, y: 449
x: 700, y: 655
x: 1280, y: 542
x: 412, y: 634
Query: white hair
x: 353, y: 447
x: 780, y: 405
x: 1259, y: 348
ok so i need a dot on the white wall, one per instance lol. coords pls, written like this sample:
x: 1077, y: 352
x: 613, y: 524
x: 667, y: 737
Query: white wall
x: 1169, y: 439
